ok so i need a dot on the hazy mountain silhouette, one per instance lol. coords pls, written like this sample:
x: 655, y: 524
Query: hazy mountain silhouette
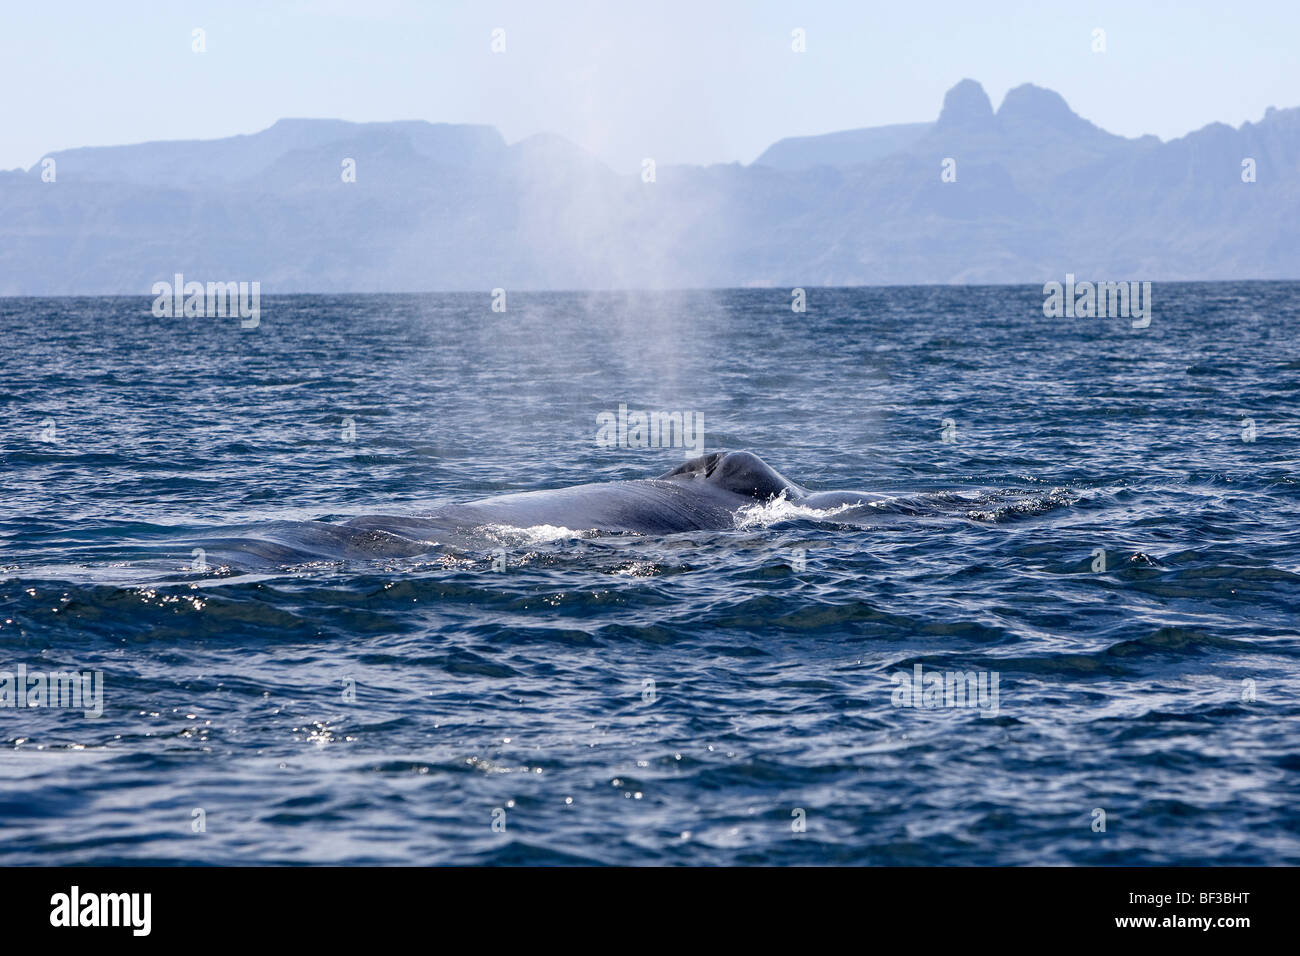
x: 1038, y: 192
x: 848, y: 148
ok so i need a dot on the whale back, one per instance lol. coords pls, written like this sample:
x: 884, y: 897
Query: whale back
x: 739, y: 472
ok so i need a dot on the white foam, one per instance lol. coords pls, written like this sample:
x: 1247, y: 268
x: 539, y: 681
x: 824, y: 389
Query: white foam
x: 536, y: 534
x: 638, y: 569
x: 782, y: 509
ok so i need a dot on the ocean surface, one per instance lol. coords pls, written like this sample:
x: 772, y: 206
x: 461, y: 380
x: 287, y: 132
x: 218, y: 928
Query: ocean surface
x: 1100, y: 524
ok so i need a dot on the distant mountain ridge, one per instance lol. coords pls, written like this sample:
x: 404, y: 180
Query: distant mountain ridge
x: 237, y: 158
x: 846, y: 148
x: 1036, y: 191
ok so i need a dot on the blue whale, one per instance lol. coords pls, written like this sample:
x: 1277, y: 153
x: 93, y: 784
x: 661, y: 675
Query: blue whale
x: 705, y: 493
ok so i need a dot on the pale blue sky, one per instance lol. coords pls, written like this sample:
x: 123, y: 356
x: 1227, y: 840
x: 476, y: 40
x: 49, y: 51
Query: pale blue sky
x: 700, y: 82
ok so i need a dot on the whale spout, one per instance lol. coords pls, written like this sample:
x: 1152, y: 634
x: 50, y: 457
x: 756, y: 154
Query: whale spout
x: 740, y: 472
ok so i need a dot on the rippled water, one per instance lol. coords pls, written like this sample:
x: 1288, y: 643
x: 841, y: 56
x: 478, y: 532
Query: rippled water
x: 1161, y: 690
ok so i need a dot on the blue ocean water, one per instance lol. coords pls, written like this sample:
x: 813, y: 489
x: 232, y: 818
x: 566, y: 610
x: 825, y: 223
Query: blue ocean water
x: 1103, y: 518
